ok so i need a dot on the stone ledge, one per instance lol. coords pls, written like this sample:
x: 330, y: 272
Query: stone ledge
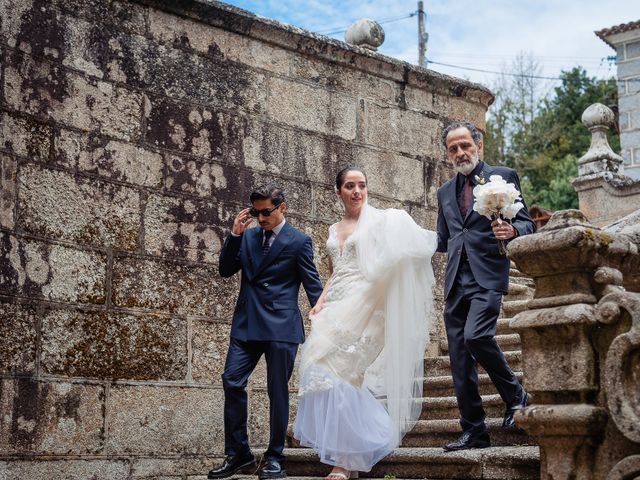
x: 304, y: 42
x: 490, y: 463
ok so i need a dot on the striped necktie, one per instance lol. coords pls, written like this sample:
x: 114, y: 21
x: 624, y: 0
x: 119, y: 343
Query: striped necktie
x: 266, y: 243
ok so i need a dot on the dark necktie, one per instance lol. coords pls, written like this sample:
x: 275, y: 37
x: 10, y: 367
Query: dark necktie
x: 466, y: 197
x: 265, y: 244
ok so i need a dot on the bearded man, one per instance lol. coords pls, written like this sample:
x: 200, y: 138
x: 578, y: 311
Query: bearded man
x: 476, y: 278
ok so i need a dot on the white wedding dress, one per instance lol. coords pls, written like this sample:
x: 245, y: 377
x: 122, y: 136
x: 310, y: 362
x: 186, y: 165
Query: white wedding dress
x: 361, y: 366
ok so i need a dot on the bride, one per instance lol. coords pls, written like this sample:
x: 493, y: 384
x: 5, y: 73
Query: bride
x: 361, y: 368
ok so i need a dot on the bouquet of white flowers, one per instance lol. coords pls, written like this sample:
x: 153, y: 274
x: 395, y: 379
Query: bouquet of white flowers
x: 497, y: 200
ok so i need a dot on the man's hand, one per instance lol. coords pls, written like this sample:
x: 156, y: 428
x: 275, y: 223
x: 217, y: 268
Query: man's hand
x: 503, y: 230
x: 241, y: 222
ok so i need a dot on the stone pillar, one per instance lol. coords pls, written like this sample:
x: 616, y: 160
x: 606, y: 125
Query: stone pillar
x: 580, y: 348
x: 605, y: 194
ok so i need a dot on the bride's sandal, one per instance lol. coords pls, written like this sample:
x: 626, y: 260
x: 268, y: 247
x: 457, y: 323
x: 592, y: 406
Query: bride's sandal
x: 337, y: 476
x: 341, y: 476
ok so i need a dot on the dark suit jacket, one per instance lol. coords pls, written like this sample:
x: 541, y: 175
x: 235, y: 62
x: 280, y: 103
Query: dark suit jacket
x: 267, y: 307
x: 475, y: 236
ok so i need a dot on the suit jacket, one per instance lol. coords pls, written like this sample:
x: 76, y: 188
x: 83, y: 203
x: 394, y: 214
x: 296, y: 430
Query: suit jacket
x: 267, y: 307
x: 474, y: 234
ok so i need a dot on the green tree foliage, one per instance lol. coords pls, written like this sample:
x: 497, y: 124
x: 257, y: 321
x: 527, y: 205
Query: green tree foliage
x: 544, y: 138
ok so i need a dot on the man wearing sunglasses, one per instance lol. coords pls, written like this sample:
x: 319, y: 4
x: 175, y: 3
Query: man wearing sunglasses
x: 275, y: 259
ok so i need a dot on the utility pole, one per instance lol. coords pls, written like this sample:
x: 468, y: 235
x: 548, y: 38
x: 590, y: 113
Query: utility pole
x: 422, y: 36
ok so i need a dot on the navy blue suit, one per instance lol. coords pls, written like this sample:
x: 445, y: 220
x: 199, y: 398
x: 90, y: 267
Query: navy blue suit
x: 476, y: 278
x: 267, y: 321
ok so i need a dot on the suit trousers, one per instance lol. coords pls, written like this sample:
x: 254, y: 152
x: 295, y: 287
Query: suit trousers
x: 471, y: 315
x: 242, y: 358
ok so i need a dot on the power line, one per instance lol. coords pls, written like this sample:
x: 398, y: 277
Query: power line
x: 520, y: 75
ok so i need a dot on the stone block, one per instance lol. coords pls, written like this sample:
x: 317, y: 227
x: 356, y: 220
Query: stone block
x: 198, y: 131
x: 108, y: 158
x: 67, y: 468
x: 58, y: 205
x: 290, y: 152
x: 209, y: 344
x: 51, y: 417
x: 424, y: 216
x: 184, y: 228
x: 172, y: 468
x: 258, y: 420
x: 124, y: 15
x: 39, y: 27
x: 333, y: 76
x: 328, y: 158
x: 217, y: 43
x: 314, y: 109
x: 327, y: 205
x: 37, y: 269
x: 18, y: 337
x: 186, y: 174
x: 173, y: 287
x: 460, y: 108
x: 436, y: 173
x: 439, y: 264
x: 26, y: 137
x: 297, y: 193
x: 402, y: 131
x: 106, y: 345
x: 159, y: 421
x: 48, y: 91
x: 8, y: 183
x: 419, y: 99
x: 391, y: 175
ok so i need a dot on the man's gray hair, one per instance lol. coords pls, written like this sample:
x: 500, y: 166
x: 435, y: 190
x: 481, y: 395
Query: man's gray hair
x: 476, y: 134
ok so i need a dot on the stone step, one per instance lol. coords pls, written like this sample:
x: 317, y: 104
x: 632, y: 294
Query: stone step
x: 441, y: 365
x: 508, y: 343
x: 503, y: 328
x: 442, y: 386
x: 499, y: 463
x: 436, y: 433
x: 446, y: 408
x: 513, y: 307
x: 518, y: 291
x: 515, y: 273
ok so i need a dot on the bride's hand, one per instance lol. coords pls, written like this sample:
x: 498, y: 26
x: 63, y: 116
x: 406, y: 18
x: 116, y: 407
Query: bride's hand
x: 315, y: 310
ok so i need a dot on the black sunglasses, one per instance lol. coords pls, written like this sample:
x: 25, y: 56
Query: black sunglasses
x: 265, y: 212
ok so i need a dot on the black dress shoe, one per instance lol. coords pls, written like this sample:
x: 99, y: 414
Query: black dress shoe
x: 509, y: 421
x: 233, y: 463
x: 469, y: 440
x: 271, y: 469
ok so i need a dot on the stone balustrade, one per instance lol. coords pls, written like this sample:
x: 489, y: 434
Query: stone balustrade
x: 580, y: 348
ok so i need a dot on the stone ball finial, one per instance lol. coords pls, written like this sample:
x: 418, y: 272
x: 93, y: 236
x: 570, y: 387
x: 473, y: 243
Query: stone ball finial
x: 365, y: 33
x: 599, y: 159
x: 598, y: 115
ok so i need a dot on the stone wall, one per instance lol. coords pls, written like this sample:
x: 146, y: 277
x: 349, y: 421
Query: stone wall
x: 130, y: 134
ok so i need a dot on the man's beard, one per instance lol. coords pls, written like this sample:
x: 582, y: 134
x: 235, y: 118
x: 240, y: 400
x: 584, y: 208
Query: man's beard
x: 467, y: 168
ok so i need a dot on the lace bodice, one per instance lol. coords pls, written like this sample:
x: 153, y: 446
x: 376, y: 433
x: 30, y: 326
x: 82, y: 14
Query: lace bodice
x: 351, y: 321
x: 345, y: 265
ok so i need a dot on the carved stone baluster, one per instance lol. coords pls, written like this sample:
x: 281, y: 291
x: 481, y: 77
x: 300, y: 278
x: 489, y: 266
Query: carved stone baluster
x: 565, y: 338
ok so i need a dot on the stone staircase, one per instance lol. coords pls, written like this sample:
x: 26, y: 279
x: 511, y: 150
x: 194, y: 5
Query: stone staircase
x: 513, y: 454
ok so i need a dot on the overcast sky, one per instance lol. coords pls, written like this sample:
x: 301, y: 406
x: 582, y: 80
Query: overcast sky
x: 480, y: 34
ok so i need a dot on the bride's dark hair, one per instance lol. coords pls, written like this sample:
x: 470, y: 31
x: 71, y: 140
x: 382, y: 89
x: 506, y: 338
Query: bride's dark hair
x: 343, y: 173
